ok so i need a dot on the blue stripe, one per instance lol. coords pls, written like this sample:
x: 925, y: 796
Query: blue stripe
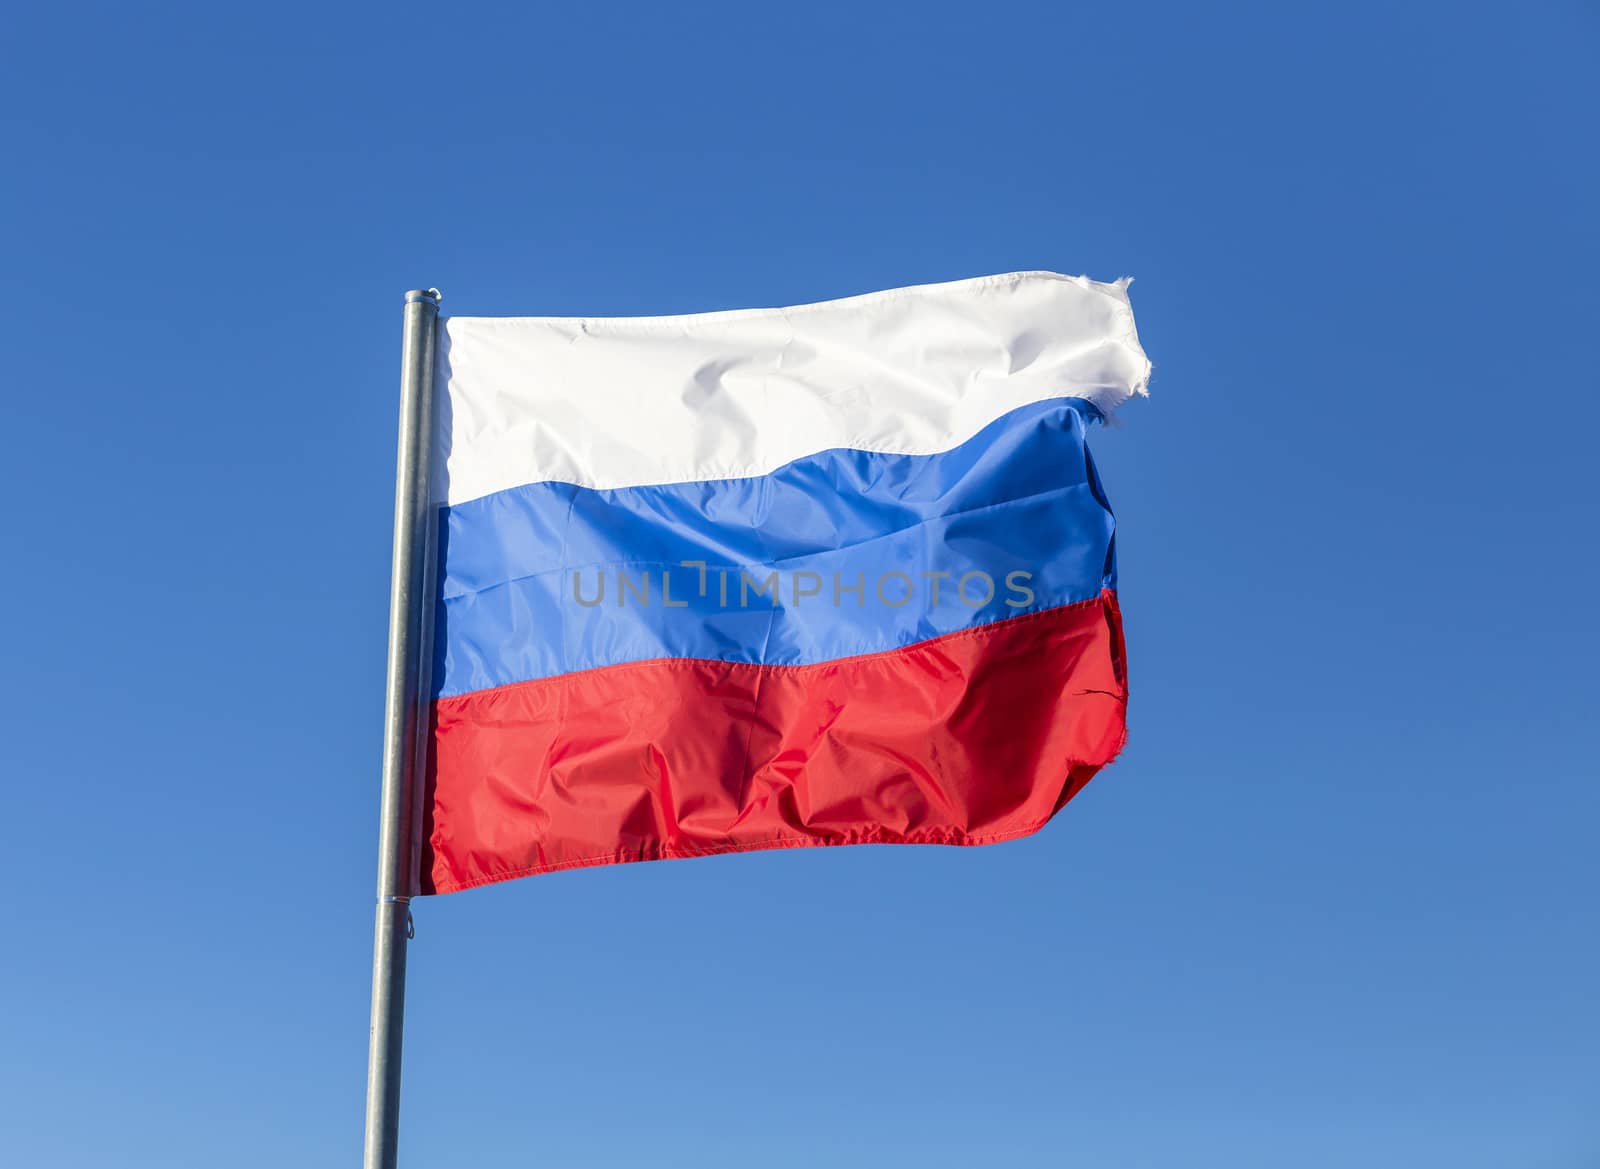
x: 522, y: 568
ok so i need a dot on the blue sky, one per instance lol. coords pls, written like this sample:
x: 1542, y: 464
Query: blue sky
x: 1336, y: 904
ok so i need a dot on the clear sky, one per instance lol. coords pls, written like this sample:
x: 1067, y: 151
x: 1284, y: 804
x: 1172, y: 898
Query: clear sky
x: 1336, y: 906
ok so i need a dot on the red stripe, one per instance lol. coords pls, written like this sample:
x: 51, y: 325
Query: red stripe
x: 970, y: 738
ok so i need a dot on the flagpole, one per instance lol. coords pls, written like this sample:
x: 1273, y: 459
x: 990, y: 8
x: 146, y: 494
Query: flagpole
x: 404, y: 727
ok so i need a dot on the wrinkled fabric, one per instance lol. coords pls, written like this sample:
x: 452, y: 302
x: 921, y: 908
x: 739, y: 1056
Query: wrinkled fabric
x: 631, y: 401
x: 933, y: 649
x: 976, y: 737
x: 870, y: 551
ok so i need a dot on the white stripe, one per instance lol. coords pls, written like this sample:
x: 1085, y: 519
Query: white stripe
x: 635, y: 400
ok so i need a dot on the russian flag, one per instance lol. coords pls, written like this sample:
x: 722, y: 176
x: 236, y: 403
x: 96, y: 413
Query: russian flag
x: 835, y: 574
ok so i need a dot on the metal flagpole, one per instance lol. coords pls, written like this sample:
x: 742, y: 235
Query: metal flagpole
x: 404, y: 727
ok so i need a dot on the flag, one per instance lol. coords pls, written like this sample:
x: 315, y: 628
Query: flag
x: 842, y: 573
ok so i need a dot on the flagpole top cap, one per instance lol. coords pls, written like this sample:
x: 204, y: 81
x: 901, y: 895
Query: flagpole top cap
x: 429, y: 294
